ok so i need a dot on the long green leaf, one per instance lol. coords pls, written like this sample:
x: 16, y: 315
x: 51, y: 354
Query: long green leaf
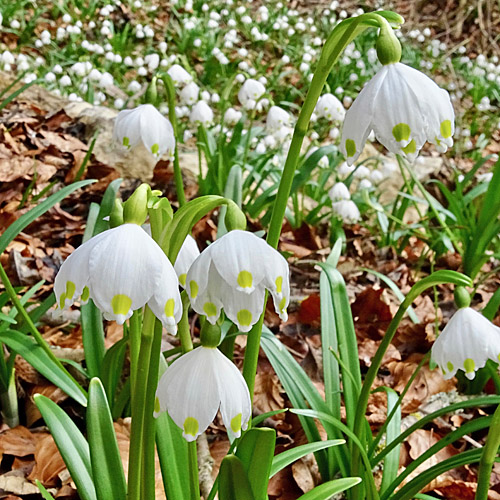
x: 327, y: 490
x: 15, y: 228
x: 289, y: 456
x: 233, y: 480
x: 111, y: 368
x: 28, y: 349
x: 107, y: 469
x: 72, y: 445
x: 45, y: 494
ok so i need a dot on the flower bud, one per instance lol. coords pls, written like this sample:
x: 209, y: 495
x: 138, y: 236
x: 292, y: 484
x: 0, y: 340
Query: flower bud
x: 152, y: 92
x: 388, y: 45
x: 462, y: 297
x: 135, y: 209
x: 235, y: 218
x: 210, y: 335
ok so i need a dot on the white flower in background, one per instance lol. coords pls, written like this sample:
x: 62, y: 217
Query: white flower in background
x: 145, y: 125
x: 196, y: 385
x: 339, y: 191
x: 201, y: 114
x: 405, y: 108
x: 187, y: 255
x: 329, y: 107
x: 233, y: 273
x: 365, y: 184
x: 362, y: 172
x: 347, y: 211
x: 251, y: 91
x: 179, y: 75
x: 121, y: 270
x: 189, y: 94
x: 277, y: 118
x: 466, y: 343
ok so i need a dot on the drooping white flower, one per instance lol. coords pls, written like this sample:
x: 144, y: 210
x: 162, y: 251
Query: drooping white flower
x: 405, y: 108
x: 187, y: 255
x: 251, y: 91
x: 338, y: 192
x: 121, y: 270
x: 196, y: 385
x: 277, y: 118
x: 233, y: 273
x: 201, y: 114
x: 179, y: 75
x: 146, y: 125
x: 346, y: 210
x: 466, y: 343
x: 329, y: 107
x: 189, y: 94
x: 232, y: 116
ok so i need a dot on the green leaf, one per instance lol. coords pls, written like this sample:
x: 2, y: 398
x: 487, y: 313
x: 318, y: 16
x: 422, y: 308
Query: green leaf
x: 233, y: 480
x: 260, y: 418
x: 112, y: 366
x: 107, y: 204
x: 28, y: 349
x: 45, y: 494
x: 15, y: 228
x: 327, y: 490
x: 72, y: 445
x: 7, y: 319
x: 107, y: 469
x: 256, y: 451
x: 289, y: 456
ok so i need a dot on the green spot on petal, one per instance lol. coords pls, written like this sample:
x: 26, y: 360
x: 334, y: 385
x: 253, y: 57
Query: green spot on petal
x: 126, y: 142
x: 445, y: 128
x: 169, y: 308
x: 210, y: 309
x: 410, y: 148
x: 498, y: 358
x: 62, y: 300
x: 121, y: 304
x: 155, y: 148
x: 182, y: 279
x: 85, y: 294
x: 450, y: 366
x: 236, y: 423
x: 191, y: 426
x: 244, y: 317
x: 469, y: 365
x: 193, y: 286
x: 282, y: 304
x: 350, y: 147
x: 245, y: 279
x: 157, y: 405
x: 279, y: 284
x: 70, y: 289
x: 401, y: 132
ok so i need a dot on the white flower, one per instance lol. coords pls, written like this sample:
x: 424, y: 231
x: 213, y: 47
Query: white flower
x: 347, y: 211
x: 187, y: 255
x: 201, y: 114
x: 329, y: 107
x: 121, y: 270
x: 405, y: 108
x: 338, y: 192
x: 277, y: 118
x: 196, y: 385
x: 251, y: 90
x: 233, y: 273
x: 145, y: 125
x: 189, y: 94
x: 179, y: 75
x: 466, y: 343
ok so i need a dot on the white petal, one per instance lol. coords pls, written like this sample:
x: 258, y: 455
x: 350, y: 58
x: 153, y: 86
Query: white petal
x: 125, y: 269
x: 127, y: 129
x: 188, y: 390
x: 157, y: 133
x: 187, y: 255
x: 235, y: 408
x: 205, y: 296
x: 243, y: 309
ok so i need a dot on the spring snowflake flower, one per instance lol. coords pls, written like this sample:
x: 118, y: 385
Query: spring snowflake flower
x: 339, y: 191
x: 196, y: 385
x: 201, y: 114
x: 277, y: 118
x: 405, y: 108
x: 179, y: 75
x: 189, y: 94
x: 146, y: 125
x: 121, y: 270
x: 187, y: 255
x: 232, y: 116
x: 250, y: 92
x: 329, y: 107
x: 233, y: 273
x: 347, y: 211
x: 466, y: 343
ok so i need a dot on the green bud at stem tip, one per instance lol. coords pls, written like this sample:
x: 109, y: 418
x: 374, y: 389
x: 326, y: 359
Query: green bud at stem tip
x: 152, y: 92
x: 235, y: 218
x: 210, y: 335
x: 135, y: 209
x: 388, y: 45
x: 116, y: 215
x: 462, y: 297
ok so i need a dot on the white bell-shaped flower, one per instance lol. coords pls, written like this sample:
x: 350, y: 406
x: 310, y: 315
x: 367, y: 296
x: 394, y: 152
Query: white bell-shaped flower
x: 232, y: 116
x: 198, y: 384
x: 277, y: 118
x: 233, y: 273
x: 404, y: 108
x: 251, y: 91
x: 187, y: 255
x: 201, y: 114
x: 121, y: 270
x: 179, y: 75
x: 466, y: 343
x: 339, y: 191
x: 346, y: 210
x: 146, y: 125
x: 329, y: 107
x: 189, y: 94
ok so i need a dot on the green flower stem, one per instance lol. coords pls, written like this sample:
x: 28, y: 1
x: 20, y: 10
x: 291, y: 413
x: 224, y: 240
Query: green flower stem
x: 134, y: 343
x: 490, y: 453
x: 179, y: 183
x: 249, y: 137
x: 32, y: 328
x: 9, y: 403
x: 193, y: 471
x: 183, y: 329
x: 139, y: 396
